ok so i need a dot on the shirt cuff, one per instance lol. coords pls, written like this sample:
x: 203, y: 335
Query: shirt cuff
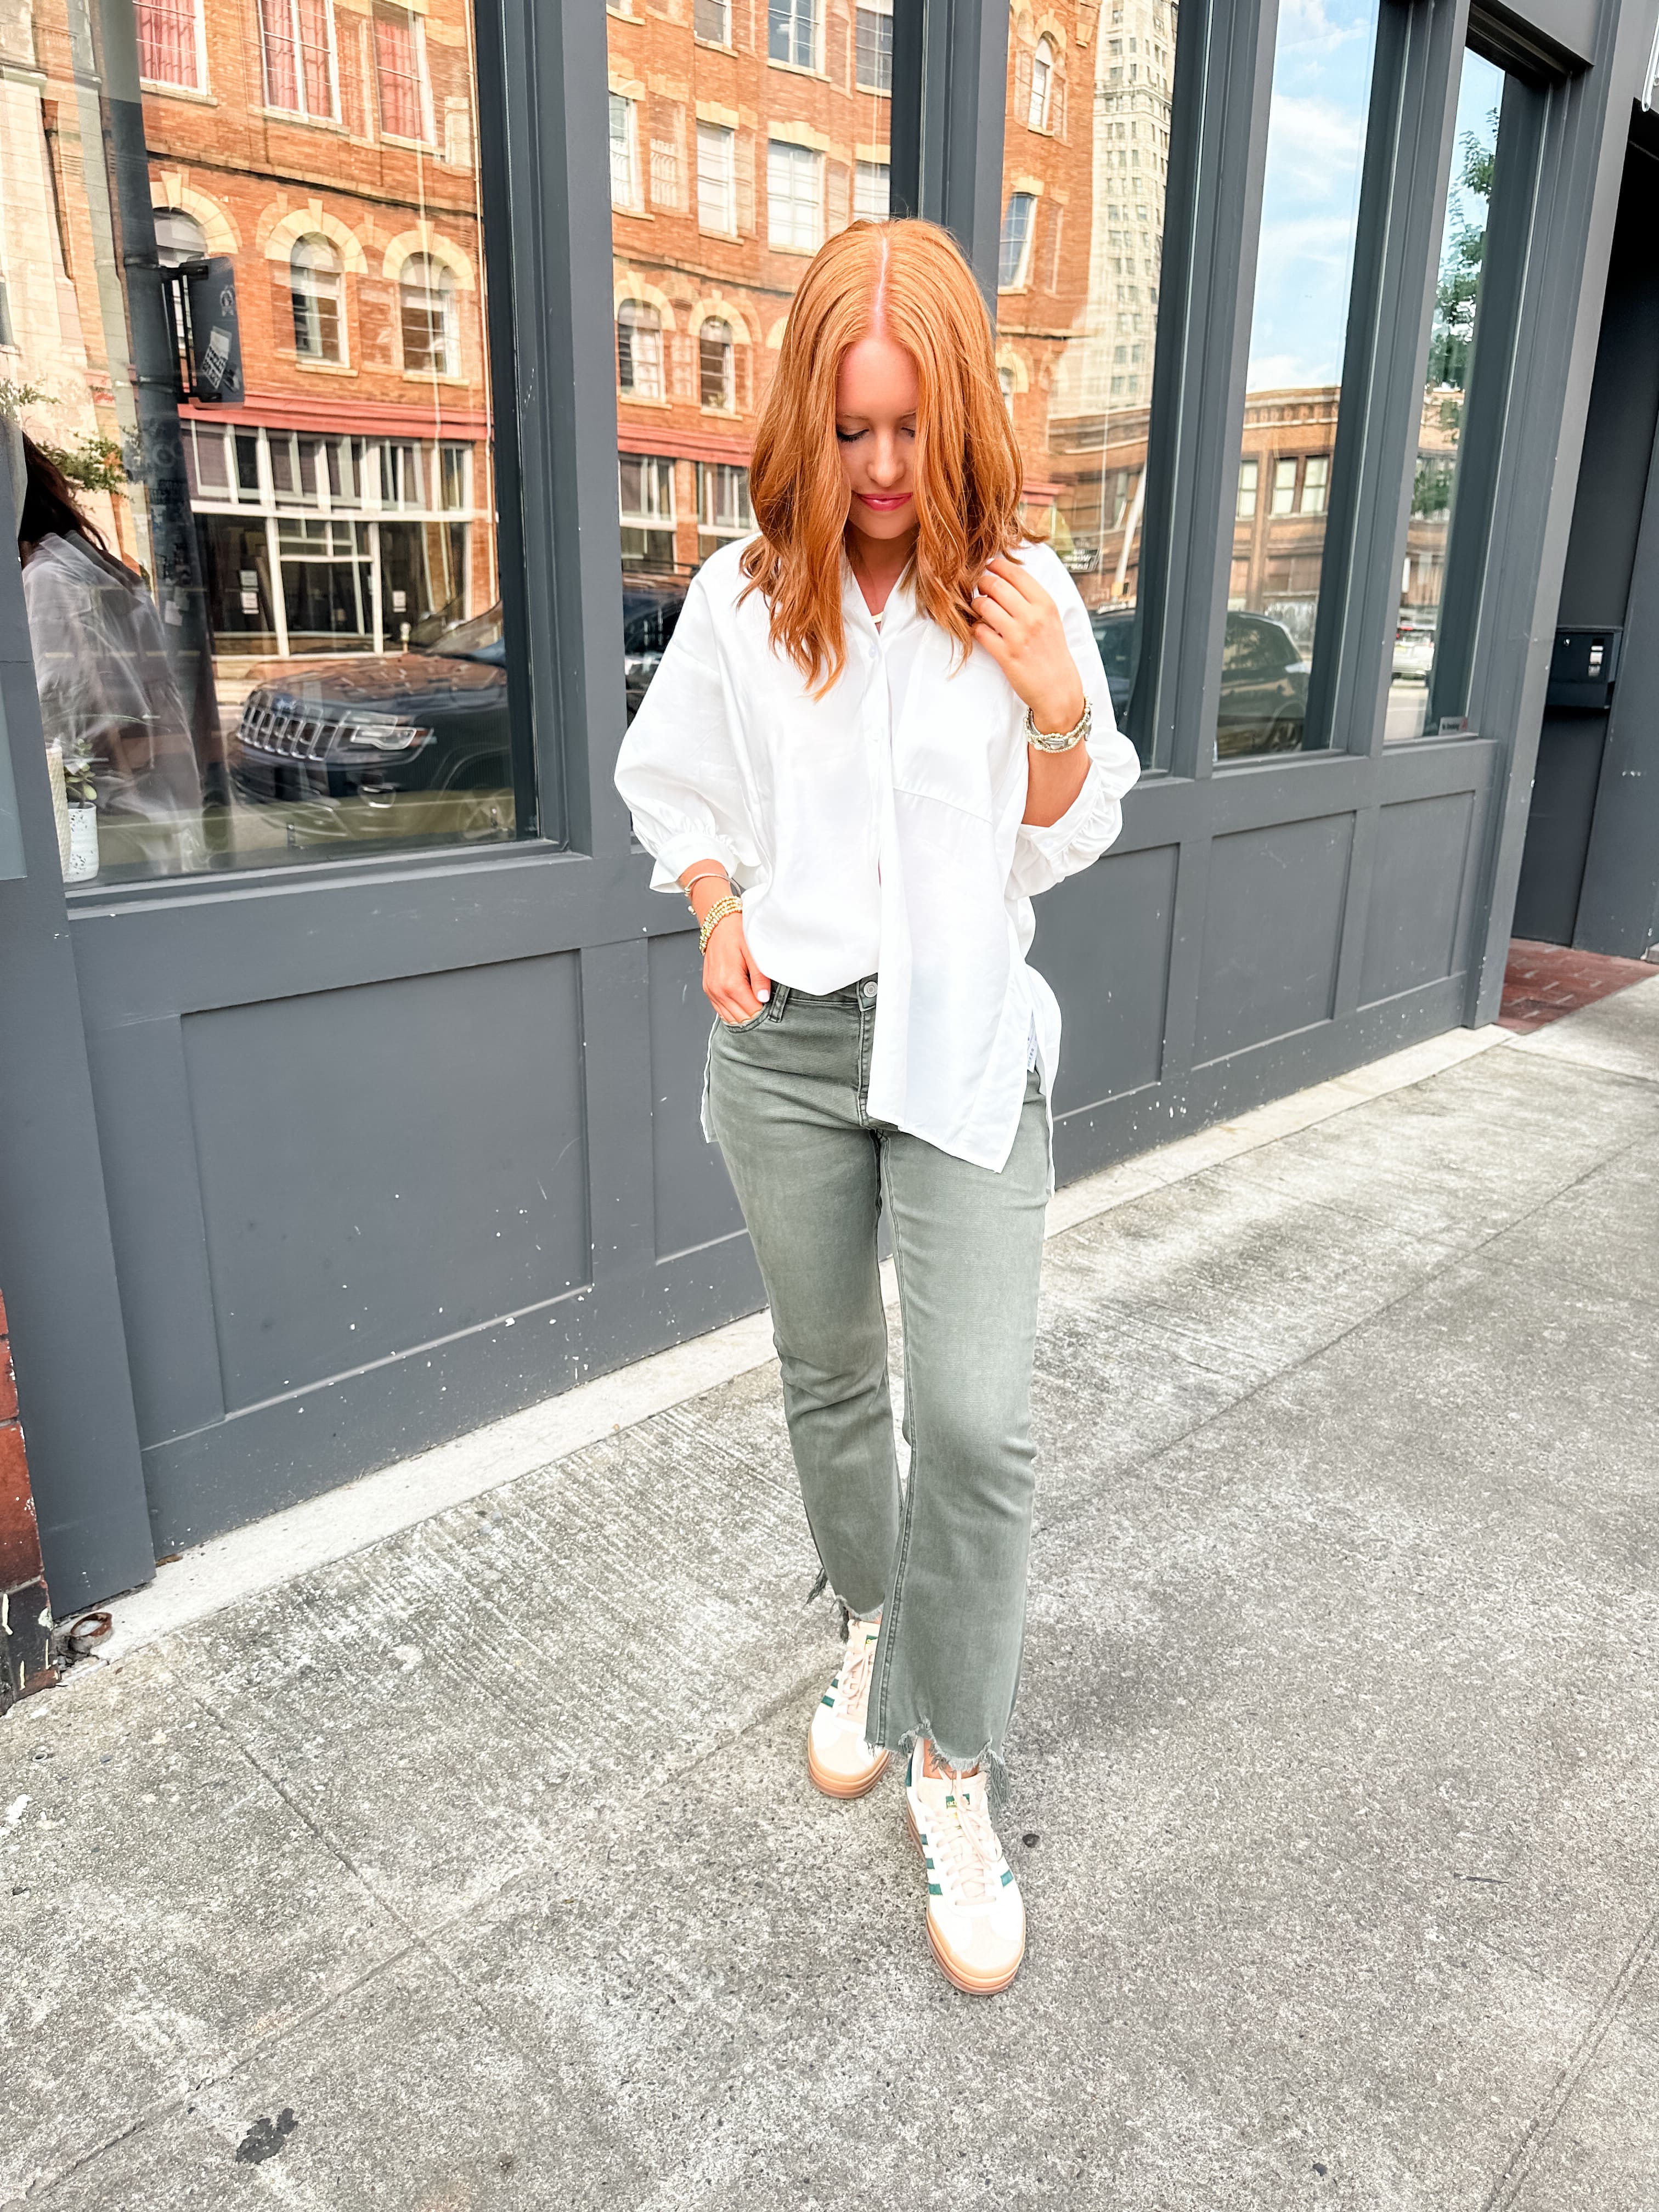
x: 676, y: 856
x: 1053, y: 838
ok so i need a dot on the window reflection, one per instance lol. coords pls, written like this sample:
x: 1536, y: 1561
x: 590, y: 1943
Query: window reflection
x: 300, y: 64
x: 741, y: 138
x: 1309, y: 216
x: 315, y: 279
x: 1085, y: 164
x: 249, y: 398
x: 874, y: 31
x: 1411, y: 706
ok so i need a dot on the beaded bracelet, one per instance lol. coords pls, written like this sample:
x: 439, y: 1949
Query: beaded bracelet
x: 1061, y: 741
x: 715, y: 915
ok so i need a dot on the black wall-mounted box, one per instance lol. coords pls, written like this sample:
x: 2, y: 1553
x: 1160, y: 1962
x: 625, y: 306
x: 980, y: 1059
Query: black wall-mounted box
x: 1583, y: 669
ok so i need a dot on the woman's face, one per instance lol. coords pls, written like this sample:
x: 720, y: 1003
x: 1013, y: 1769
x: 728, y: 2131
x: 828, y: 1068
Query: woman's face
x: 875, y: 402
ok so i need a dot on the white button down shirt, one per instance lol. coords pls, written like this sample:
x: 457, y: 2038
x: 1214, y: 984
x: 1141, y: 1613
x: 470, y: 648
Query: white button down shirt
x: 877, y: 831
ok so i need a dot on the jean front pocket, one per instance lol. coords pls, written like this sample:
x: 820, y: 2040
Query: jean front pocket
x: 772, y: 1012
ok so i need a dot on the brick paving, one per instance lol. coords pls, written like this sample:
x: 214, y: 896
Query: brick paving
x: 1541, y: 982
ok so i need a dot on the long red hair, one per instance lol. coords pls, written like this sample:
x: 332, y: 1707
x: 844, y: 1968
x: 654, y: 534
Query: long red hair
x: 908, y: 281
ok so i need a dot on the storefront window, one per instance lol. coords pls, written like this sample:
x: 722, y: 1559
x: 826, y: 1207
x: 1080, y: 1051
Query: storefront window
x: 1309, y: 219
x: 1085, y: 166
x: 1440, y: 431
x: 255, y: 483
x: 741, y: 139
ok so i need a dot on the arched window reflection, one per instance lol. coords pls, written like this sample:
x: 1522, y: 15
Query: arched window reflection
x: 639, y: 351
x: 430, y: 324
x: 314, y: 287
x: 717, y: 365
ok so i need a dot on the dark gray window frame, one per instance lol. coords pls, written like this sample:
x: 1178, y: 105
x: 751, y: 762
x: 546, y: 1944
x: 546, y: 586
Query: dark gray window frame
x: 1408, y: 145
x: 1212, y: 233
x: 1223, y: 71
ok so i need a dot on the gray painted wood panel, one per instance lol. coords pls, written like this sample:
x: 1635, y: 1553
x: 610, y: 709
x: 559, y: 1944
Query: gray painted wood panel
x: 1103, y: 942
x: 1271, y: 932
x: 1417, y: 894
x: 383, y: 1167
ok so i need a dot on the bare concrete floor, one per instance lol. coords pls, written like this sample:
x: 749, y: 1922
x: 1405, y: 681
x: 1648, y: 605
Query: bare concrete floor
x: 480, y: 1869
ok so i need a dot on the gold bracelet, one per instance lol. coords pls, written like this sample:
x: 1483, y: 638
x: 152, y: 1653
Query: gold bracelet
x: 715, y: 915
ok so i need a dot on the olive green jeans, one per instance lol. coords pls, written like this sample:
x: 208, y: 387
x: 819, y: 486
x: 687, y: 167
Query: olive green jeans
x: 942, y: 1559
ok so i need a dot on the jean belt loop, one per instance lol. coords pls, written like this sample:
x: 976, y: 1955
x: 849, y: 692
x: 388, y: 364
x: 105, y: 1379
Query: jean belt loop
x: 779, y: 1001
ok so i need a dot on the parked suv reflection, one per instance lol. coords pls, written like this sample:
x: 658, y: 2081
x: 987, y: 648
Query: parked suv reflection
x: 1264, y: 679
x: 404, y: 745
x: 409, y: 745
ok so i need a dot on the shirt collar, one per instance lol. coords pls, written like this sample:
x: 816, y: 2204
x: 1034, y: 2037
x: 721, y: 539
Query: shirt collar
x: 901, y: 606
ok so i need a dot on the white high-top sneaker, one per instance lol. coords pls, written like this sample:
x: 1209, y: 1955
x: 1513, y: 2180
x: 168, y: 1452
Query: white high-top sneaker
x: 838, y: 1759
x: 975, y: 1916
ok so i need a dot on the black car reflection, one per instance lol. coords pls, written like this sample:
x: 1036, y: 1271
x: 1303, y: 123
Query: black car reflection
x: 1264, y: 679
x: 651, y: 607
x: 412, y: 743
x: 389, y: 745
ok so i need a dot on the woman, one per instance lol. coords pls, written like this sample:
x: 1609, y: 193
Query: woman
x: 881, y: 726
x: 107, y: 692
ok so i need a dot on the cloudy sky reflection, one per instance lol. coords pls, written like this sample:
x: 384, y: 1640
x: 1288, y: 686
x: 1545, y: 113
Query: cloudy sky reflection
x: 1316, y: 142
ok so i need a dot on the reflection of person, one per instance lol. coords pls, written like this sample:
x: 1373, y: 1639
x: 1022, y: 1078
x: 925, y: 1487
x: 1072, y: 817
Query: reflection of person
x: 107, y: 694
x: 880, y: 727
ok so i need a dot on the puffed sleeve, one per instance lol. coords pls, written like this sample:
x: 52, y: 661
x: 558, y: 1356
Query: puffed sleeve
x: 1094, y: 819
x: 677, y: 770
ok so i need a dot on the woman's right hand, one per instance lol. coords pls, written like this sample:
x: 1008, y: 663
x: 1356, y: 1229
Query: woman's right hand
x: 732, y: 984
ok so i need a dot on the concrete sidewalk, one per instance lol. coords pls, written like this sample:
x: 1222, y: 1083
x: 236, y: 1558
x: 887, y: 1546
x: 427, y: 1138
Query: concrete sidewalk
x: 478, y: 1868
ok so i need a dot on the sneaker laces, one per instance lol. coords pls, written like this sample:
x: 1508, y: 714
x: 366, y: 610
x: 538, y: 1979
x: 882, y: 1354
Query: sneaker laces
x: 852, y: 1685
x: 967, y: 1848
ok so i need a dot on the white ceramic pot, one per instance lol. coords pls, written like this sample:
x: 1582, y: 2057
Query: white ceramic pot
x: 83, y: 845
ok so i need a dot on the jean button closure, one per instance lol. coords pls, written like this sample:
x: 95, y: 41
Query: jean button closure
x: 870, y: 989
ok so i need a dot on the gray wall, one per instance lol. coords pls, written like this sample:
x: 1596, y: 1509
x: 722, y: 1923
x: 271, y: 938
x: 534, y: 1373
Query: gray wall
x: 1590, y: 873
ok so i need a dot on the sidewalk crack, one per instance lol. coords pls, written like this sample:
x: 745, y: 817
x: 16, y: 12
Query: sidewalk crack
x: 1507, y: 2189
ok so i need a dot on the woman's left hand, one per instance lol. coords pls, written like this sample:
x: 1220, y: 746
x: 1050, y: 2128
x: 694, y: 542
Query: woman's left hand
x: 1018, y: 625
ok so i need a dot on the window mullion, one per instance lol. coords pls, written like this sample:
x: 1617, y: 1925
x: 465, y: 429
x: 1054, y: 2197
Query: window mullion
x: 1224, y: 63
x: 1509, y: 235
x: 950, y: 63
x: 545, y: 170
x: 1408, y: 146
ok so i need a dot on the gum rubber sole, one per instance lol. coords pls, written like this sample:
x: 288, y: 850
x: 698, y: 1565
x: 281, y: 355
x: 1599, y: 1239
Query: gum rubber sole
x: 836, y: 1785
x: 968, y: 1984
